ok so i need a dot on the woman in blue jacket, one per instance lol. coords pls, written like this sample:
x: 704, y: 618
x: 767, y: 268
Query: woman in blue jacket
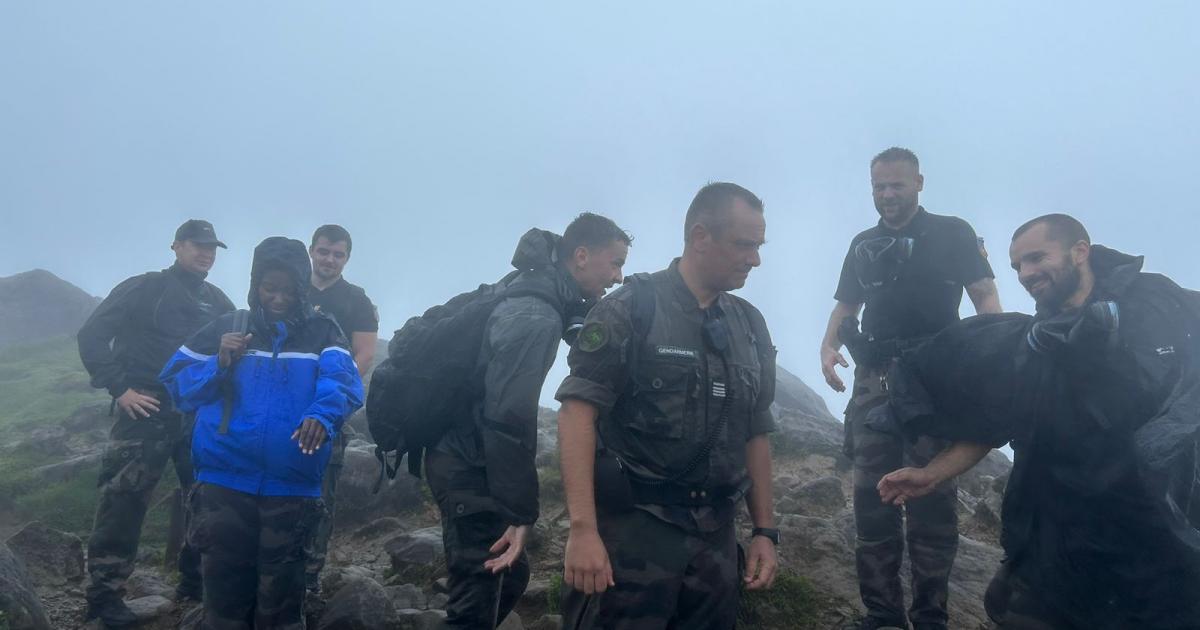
x: 270, y: 388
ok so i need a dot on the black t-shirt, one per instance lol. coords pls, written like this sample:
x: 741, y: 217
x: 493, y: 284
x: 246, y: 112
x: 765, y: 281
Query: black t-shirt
x: 914, y: 294
x: 348, y: 304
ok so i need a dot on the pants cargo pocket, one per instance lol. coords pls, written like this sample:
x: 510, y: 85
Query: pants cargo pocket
x: 123, y: 467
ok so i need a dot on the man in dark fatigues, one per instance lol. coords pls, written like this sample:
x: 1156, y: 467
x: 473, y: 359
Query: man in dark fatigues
x: 482, y: 473
x: 1099, y: 394
x: 663, y: 431
x: 348, y: 304
x: 123, y: 345
x: 909, y: 271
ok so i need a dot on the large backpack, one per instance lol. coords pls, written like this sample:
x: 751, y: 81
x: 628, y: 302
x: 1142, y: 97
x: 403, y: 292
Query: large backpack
x: 428, y: 382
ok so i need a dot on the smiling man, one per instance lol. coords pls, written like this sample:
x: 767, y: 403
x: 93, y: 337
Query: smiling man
x: 123, y: 345
x: 909, y: 272
x: 1098, y: 394
x: 482, y: 471
x: 331, y: 294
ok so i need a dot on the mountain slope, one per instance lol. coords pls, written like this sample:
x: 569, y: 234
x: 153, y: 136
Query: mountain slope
x: 38, y: 304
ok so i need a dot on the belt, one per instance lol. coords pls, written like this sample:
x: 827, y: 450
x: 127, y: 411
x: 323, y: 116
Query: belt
x: 685, y: 495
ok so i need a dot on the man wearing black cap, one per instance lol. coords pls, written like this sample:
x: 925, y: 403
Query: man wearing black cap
x: 124, y: 345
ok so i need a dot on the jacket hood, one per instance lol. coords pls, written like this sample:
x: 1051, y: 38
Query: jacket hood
x: 1114, y: 270
x: 290, y: 255
x: 538, y: 273
x: 537, y: 249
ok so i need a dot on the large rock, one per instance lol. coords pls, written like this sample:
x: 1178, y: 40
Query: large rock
x: 416, y: 556
x: 18, y: 601
x: 53, y: 558
x: 360, y: 604
x: 145, y: 582
x: 412, y: 619
x: 150, y: 607
x: 819, y: 497
x: 408, y: 596
x: 357, y: 504
x: 68, y: 469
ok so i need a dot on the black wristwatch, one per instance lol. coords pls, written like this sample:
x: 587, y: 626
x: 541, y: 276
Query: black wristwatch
x: 766, y: 532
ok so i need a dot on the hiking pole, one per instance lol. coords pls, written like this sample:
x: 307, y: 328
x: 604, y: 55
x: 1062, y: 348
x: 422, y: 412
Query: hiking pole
x: 496, y: 607
x: 175, y: 530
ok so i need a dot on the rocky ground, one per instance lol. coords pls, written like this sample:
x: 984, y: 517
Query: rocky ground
x: 385, y: 568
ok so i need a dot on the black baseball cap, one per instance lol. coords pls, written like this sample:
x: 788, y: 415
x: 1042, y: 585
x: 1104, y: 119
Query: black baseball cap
x: 199, y: 232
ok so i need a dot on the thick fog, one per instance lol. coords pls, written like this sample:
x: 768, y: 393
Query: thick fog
x: 437, y: 134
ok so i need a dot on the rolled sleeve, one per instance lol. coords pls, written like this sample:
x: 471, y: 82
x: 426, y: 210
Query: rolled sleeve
x: 598, y: 358
x: 763, y: 420
x: 580, y: 388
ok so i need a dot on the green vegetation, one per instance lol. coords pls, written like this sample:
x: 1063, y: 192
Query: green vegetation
x: 550, y: 485
x: 554, y: 594
x: 793, y: 602
x: 43, y: 382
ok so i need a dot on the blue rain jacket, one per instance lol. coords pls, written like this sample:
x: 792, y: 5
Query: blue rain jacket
x: 295, y: 368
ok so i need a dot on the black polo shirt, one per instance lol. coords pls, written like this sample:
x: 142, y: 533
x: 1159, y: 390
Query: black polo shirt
x: 348, y: 304
x: 920, y: 295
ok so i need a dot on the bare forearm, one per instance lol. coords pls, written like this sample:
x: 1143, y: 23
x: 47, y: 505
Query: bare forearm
x: 577, y: 455
x: 363, y: 348
x: 985, y: 297
x: 841, y: 310
x: 956, y: 460
x: 760, y: 501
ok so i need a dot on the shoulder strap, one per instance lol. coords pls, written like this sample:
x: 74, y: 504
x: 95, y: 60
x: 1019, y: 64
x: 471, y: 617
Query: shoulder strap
x: 240, y: 325
x: 641, y: 318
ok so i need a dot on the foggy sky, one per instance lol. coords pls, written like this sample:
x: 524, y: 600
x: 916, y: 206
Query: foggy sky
x: 437, y: 134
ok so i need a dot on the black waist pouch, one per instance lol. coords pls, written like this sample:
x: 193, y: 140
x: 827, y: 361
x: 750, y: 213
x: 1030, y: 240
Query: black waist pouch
x: 613, y: 492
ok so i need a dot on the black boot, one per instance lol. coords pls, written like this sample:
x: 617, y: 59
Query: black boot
x: 189, y: 590
x: 878, y: 623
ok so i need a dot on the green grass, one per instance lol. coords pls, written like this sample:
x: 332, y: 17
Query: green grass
x: 70, y: 506
x: 554, y: 594
x: 793, y: 602
x: 43, y: 382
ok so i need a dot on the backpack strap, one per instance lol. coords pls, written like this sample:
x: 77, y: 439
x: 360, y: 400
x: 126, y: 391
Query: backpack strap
x: 241, y: 325
x: 641, y: 318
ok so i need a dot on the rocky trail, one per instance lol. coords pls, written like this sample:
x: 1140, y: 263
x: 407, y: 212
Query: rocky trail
x: 385, y: 567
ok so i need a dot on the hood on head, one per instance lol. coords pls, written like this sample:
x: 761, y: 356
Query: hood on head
x: 279, y: 252
x: 537, y: 249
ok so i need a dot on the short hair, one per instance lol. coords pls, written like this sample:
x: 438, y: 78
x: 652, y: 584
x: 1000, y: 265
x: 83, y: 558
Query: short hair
x: 334, y: 234
x: 896, y: 154
x: 592, y: 231
x: 712, y: 204
x: 1062, y: 228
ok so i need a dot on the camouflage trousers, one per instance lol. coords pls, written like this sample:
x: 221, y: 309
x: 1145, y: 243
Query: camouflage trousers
x: 317, y: 546
x: 929, y: 525
x: 132, y: 464
x: 666, y: 577
x: 478, y: 598
x: 253, y: 550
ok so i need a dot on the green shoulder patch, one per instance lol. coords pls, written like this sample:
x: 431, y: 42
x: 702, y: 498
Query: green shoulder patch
x: 593, y: 337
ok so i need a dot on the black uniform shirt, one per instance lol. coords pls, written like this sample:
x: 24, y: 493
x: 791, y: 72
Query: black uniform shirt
x: 143, y: 321
x: 924, y: 296
x: 348, y: 304
x: 658, y: 413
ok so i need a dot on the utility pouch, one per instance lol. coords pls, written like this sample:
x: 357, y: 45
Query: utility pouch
x: 614, y: 495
